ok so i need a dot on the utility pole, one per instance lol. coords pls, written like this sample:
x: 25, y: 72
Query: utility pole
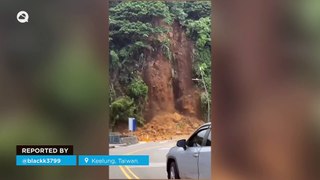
x: 207, y: 93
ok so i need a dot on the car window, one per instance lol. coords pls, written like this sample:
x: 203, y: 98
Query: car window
x: 208, y: 142
x: 197, y: 139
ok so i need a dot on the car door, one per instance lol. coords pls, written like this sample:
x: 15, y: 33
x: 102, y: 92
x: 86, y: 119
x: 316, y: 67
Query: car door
x: 205, y: 158
x: 188, y: 160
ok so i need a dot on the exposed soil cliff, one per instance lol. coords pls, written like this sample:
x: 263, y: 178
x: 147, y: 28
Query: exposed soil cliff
x: 157, y: 75
x: 173, y: 106
x: 187, y: 99
x: 170, y: 83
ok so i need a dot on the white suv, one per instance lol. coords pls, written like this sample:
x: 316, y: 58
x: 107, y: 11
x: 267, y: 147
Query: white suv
x: 191, y: 159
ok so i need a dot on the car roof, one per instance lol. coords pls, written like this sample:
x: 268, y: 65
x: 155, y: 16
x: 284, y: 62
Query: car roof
x: 206, y: 124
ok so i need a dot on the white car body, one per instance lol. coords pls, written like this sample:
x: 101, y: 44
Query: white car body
x: 192, y: 160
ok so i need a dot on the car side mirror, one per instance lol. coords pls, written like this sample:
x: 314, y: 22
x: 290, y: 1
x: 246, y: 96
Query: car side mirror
x: 182, y: 143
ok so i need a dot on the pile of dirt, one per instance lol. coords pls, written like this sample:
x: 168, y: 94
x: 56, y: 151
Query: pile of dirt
x: 168, y: 126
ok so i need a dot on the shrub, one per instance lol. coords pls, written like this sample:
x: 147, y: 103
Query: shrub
x: 121, y: 109
x: 138, y: 89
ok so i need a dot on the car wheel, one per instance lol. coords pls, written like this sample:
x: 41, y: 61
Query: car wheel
x: 173, y: 171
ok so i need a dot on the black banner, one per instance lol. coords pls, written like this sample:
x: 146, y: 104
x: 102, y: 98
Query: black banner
x: 44, y: 150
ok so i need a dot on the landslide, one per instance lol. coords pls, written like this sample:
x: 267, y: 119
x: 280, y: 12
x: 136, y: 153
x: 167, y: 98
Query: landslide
x: 187, y: 95
x: 173, y: 106
x: 167, y: 126
x: 157, y: 76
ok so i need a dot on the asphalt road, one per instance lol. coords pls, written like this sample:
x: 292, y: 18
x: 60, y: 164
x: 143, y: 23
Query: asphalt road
x: 157, y: 168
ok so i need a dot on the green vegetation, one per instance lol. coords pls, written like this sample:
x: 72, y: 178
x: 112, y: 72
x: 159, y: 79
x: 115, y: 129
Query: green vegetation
x: 134, y: 33
x: 138, y: 89
x: 121, y: 109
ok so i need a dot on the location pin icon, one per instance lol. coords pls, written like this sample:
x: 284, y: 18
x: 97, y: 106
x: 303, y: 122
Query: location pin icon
x: 86, y: 160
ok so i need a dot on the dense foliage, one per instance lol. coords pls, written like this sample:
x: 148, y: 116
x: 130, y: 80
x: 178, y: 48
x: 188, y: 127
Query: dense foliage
x: 121, y: 109
x: 138, y: 89
x: 133, y: 32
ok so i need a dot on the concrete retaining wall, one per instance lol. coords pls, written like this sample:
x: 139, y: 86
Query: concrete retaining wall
x: 129, y: 140
x: 115, y: 138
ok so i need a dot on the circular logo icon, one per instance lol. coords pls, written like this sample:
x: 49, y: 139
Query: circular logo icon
x: 22, y: 17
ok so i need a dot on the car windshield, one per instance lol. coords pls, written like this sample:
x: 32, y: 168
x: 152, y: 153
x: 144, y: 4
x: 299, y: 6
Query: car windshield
x: 197, y: 139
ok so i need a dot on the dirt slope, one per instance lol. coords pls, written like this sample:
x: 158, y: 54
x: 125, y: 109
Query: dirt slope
x: 171, y: 88
x: 157, y: 76
x: 186, y: 94
x: 173, y: 106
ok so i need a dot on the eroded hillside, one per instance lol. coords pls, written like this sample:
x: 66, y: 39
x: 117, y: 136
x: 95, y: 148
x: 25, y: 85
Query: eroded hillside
x: 156, y: 75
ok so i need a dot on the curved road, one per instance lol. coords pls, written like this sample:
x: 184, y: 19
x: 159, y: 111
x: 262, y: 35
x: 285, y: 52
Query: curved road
x: 157, y: 167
